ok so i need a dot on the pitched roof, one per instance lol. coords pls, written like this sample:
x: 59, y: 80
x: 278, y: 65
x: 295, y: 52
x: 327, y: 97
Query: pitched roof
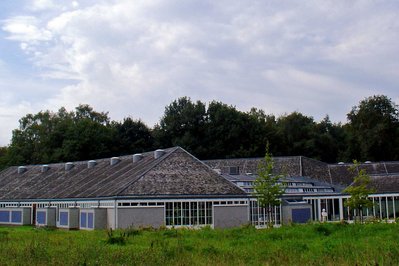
x: 385, y: 183
x: 176, y: 172
x: 335, y: 174
x: 288, y: 166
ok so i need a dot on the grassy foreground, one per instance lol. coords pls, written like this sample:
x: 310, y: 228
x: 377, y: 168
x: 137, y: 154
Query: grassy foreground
x: 313, y: 244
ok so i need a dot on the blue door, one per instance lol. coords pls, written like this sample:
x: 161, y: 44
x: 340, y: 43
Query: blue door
x: 301, y: 215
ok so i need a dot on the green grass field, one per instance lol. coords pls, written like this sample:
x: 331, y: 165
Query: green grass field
x: 313, y: 244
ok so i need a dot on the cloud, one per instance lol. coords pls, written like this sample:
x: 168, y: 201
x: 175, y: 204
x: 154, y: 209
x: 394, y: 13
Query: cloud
x: 25, y: 29
x: 135, y: 57
x: 40, y: 5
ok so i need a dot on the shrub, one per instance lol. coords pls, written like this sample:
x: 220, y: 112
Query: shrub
x: 119, y: 240
x: 323, y: 229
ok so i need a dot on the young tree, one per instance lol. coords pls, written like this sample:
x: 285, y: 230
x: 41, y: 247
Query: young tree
x: 267, y: 186
x: 359, y: 191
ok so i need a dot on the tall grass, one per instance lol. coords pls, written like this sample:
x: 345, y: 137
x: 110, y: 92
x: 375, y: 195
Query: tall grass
x: 313, y: 244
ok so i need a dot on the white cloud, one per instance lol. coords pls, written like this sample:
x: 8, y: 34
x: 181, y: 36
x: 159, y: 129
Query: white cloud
x: 25, y: 29
x: 42, y: 5
x: 134, y: 57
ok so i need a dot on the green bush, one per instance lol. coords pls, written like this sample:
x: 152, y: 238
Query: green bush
x: 113, y: 239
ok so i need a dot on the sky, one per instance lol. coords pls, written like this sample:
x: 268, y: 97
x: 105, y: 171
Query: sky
x: 133, y: 58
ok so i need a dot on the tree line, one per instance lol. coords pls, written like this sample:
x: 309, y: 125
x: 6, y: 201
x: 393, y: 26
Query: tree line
x: 209, y: 131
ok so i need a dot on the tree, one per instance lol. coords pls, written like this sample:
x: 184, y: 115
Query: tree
x: 374, y: 129
x: 48, y: 137
x: 359, y: 190
x: 3, y: 157
x: 267, y: 186
x: 183, y: 124
x: 298, y: 133
x: 132, y: 136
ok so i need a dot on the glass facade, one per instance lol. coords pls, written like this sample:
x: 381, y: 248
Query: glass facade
x: 260, y: 216
x: 188, y: 213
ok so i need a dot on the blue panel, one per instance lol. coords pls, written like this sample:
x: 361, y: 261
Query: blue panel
x: 83, y: 219
x: 16, y: 216
x: 41, y: 217
x: 5, y: 216
x: 90, y: 220
x: 64, y: 218
x: 300, y: 215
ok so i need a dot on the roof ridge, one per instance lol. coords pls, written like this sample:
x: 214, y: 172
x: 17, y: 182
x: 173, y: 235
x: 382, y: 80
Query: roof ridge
x: 209, y: 168
x: 149, y: 169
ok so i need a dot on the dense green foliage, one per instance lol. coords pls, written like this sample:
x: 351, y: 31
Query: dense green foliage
x: 208, y: 131
x: 313, y: 244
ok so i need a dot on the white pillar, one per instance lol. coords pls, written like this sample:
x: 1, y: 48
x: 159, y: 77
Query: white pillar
x: 318, y: 210
x: 373, y: 208
x: 386, y: 207
x: 393, y: 207
x: 115, y: 214
x: 341, y: 209
x: 379, y: 201
x: 333, y: 210
x: 314, y: 203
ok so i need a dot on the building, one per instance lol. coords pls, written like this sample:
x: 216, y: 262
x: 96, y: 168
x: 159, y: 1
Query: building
x: 317, y: 185
x: 166, y: 187
x: 173, y: 188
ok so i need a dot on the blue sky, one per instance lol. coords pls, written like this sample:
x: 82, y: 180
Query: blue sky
x: 132, y: 58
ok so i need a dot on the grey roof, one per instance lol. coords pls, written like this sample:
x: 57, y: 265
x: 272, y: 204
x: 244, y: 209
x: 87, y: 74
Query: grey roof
x: 335, y: 174
x: 175, y: 173
x: 385, y: 183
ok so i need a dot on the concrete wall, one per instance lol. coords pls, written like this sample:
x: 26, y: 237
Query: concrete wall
x: 100, y: 218
x: 110, y: 218
x: 230, y: 216
x: 143, y: 216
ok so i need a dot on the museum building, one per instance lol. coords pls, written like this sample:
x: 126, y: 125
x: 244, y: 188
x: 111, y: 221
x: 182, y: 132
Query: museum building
x: 171, y: 187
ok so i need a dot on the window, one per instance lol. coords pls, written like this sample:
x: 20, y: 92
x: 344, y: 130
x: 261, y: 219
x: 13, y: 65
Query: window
x: 194, y: 213
x: 41, y: 217
x: 169, y: 213
x: 64, y: 218
x: 90, y: 220
x: 5, y: 216
x: 188, y: 213
x: 16, y: 216
x: 83, y: 219
x: 86, y: 219
x: 177, y: 213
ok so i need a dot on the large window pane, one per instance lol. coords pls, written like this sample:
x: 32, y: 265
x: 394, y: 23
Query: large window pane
x: 177, y: 213
x: 16, y: 216
x: 41, y: 217
x: 194, y: 213
x: 169, y: 213
x: 90, y: 220
x: 64, y: 218
x: 83, y: 219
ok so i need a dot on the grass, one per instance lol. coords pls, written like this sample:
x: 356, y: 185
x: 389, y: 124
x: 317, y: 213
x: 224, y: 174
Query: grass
x: 312, y: 244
